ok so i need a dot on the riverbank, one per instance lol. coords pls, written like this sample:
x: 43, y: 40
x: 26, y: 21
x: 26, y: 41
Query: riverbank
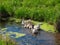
x: 23, y: 35
x: 45, y: 26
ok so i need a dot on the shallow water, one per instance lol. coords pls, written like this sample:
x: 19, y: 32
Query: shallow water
x: 43, y: 38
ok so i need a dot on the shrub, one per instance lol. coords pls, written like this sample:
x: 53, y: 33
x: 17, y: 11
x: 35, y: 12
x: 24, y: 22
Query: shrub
x: 40, y: 10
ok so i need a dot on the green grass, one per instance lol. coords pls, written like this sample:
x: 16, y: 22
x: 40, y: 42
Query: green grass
x: 15, y: 20
x: 46, y: 27
x: 1, y: 42
x: 3, y: 29
x: 7, y: 41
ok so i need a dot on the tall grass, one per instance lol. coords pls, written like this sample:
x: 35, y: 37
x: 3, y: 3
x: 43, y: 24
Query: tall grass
x: 5, y: 40
x: 40, y: 10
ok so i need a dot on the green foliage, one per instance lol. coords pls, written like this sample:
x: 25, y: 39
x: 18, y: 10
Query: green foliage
x: 40, y: 10
x: 7, y: 41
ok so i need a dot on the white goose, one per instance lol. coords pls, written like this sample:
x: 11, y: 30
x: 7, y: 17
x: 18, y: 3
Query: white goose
x: 23, y: 22
x: 35, y: 29
x: 37, y: 26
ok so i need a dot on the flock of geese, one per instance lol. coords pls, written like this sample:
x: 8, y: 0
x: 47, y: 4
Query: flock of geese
x: 28, y: 24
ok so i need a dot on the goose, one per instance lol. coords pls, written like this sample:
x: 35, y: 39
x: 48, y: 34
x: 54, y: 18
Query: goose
x: 36, y: 29
x: 23, y: 22
x: 27, y: 24
x: 37, y: 26
x: 31, y: 26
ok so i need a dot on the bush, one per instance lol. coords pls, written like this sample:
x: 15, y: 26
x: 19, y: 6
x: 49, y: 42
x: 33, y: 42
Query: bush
x: 40, y: 10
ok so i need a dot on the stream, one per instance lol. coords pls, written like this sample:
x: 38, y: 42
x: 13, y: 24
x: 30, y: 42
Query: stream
x: 43, y: 38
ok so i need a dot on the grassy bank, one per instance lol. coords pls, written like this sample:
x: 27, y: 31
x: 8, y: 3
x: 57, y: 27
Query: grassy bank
x: 4, y: 40
x: 45, y: 26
